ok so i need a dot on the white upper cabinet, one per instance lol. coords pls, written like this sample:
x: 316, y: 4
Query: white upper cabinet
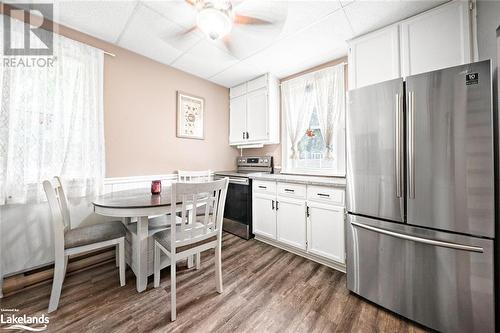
x: 237, y: 119
x: 438, y: 38
x: 375, y: 57
x: 257, y: 120
x: 254, y: 112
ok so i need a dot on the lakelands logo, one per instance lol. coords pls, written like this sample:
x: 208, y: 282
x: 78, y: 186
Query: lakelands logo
x: 30, y: 44
x: 10, y: 320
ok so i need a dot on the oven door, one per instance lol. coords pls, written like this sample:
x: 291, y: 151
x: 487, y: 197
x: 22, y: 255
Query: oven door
x: 238, y: 209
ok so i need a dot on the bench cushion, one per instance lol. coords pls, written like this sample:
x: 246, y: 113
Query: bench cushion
x: 93, y: 234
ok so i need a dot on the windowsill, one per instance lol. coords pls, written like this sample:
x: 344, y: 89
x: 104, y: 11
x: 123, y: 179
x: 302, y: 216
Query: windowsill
x: 312, y: 174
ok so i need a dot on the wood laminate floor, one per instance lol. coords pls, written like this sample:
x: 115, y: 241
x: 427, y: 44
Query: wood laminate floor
x: 266, y: 289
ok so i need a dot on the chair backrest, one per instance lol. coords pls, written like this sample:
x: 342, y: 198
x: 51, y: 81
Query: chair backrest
x: 188, y: 197
x: 58, y: 204
x: 194, y: 176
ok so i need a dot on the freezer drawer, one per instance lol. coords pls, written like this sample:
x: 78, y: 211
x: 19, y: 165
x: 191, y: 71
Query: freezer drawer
x: 441, y: 280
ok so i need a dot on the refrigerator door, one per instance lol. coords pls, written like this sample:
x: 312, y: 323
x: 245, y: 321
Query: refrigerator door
x: 375, y: 158
x: 450, y: 150
x: 441, y: 280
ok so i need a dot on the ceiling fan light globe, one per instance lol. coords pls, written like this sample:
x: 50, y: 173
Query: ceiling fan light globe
x: 214, y: 23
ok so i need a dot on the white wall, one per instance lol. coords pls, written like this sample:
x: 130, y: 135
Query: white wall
x: 26, y: 234
x: 488, y: 20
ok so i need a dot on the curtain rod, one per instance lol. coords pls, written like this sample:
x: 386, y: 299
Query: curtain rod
x: 108, y: 53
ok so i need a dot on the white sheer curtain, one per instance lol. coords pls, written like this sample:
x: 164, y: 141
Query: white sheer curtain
x: 297, y: 106
x: 329, y: 93
x: 51, y: 123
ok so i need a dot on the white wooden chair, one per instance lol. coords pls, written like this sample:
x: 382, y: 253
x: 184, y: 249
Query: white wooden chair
x: 195, y: 234
x: 69, y: 241
x: 186, y: 176
x: 194, y: 176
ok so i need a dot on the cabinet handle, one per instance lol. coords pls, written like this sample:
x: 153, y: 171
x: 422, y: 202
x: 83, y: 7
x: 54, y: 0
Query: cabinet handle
x: 248, y: 135
x: 243, y: 135
x: 307, y: 211
x: 264, y: 187
x: 289, y: 190
x: 277, y: 204
x: 272, y: 204
x: 323, y: 195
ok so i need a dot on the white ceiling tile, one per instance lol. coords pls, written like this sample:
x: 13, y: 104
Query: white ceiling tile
x: 236, y: 74
x: 325, y: 38
x: 154, y: 36
x: 178, y: 11
x: 369, y: 15
x: 204, y: 60
x: 102, y: 19
x: 316, y: 60
x: 304, y: 13
x: 346, y: 2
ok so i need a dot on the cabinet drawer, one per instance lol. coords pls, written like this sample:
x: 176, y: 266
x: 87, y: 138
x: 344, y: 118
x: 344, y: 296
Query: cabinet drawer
x: 326, y: 194
x: 264, y: 187
x: 292, y: 190
x: 260, y: 82
x: 238, y: 90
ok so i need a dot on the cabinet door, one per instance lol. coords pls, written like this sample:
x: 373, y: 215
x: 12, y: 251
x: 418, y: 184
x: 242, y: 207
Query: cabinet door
x: 325, y: 232
x: 436, y: 39
x: 291, y: 222
x: 257, y: 115
x: 374, y: 58
x: 264, y: 215
x: 237, y: 119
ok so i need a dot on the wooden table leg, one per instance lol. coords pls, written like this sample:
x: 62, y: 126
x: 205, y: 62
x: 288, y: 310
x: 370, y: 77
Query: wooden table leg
x: 142, y: 253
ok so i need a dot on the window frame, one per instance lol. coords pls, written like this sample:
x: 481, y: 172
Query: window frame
x: 286, y: 168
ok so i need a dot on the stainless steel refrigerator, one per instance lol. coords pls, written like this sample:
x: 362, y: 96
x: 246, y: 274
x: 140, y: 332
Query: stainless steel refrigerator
x: 420, y: 197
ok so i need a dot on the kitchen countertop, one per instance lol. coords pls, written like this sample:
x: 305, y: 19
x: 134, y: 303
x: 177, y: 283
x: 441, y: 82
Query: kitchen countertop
x: 308, y: 180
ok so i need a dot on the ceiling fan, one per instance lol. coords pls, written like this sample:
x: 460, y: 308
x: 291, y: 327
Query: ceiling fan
x: 216, y: 18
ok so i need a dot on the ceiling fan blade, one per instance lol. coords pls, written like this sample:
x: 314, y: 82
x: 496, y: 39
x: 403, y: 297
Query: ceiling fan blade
x: 186, y: 32
x: 242, y: 19
x: 227, y: 43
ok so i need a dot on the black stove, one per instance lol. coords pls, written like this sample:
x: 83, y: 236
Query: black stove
x: 238, y: 209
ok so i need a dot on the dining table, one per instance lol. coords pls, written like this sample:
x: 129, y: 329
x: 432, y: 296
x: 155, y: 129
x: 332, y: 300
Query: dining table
x: 141, y: 204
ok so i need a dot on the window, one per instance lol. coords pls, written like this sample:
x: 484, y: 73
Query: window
x: 51, y: 122
x: 314, y: 123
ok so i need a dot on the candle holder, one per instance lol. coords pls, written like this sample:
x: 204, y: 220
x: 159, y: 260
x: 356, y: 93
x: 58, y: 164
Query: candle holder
x: 156, y: 187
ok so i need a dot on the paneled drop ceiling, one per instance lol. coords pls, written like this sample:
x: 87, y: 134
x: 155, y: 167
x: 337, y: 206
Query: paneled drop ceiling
x: 306, y: 33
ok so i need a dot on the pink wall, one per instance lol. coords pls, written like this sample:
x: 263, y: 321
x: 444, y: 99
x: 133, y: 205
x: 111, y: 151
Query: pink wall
x: 140, y: 119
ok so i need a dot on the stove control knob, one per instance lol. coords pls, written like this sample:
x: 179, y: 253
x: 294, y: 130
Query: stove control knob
x: 265, y: 161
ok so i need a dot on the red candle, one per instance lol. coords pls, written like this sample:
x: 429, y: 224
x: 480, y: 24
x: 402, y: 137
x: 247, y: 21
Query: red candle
x: 156, y: 187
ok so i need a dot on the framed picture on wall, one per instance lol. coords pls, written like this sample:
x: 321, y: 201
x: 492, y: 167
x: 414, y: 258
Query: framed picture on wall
x: 190, y: 116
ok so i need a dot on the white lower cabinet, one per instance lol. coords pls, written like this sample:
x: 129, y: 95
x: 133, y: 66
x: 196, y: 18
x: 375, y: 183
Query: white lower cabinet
x: 311, y: 225
x: 325, y: 231
x: 264, y: 215
x: 290, y: 217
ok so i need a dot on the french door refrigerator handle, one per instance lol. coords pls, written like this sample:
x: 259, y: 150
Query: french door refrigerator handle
x: 433, y: 242
x: 397, y: 156
x: 411, y: 143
